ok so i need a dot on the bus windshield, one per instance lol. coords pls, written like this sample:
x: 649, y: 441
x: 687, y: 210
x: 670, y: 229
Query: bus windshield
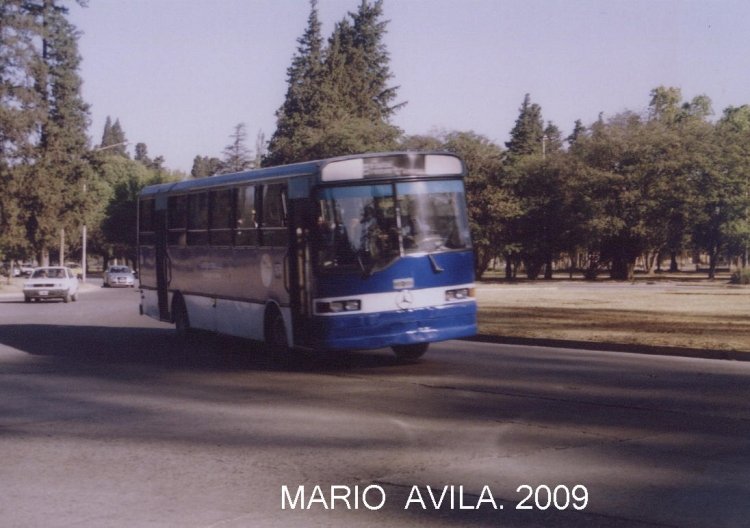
x: 366, y: 227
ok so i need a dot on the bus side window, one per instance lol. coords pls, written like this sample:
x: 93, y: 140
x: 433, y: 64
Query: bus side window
x: 146, y: 234
x: 177, y: 220
x: 222, y: 217
x: 274, y: 215
x: 198, y: 219
x: 246, y: 224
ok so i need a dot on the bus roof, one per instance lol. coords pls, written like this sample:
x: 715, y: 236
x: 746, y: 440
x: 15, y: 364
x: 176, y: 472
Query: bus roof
x: 412, y: 162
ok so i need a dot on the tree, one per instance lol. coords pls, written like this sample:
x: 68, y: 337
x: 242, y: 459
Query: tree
x: 113, y: 139
x: 720, y: 221
x: 22, y: 109
x: 237, y: 156
x: 141, y: 154
x: 366, y: 92
x: 642, y: 172
x: 549, y: 209
x: 526, y: 135
x: 578, y: 131
x: 204, y: 166
x: 338, y: 100
x: 302, y: 103
x: 55, y: 178
x: 491, y: 208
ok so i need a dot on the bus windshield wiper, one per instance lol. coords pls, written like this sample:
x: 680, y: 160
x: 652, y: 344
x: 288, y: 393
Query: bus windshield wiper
x: 365, y: 271
x: 435, y: 266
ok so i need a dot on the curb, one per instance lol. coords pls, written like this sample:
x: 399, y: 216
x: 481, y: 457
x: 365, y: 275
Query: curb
x: 597, y: 346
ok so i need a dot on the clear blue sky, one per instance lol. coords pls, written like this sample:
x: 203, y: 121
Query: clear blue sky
x: 180, y: 74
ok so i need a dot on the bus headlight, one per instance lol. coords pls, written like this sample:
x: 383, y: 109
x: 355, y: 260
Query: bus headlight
x: 350, y: 305
x: 460, y: 294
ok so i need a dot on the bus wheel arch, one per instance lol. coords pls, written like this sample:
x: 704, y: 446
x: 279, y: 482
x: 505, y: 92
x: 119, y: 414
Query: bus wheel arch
x: 274, y: 330
x: 180, y: 316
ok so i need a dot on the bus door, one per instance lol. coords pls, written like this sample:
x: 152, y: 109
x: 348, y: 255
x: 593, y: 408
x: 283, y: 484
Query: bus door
x: 162, y: 258
x: 298, y: 265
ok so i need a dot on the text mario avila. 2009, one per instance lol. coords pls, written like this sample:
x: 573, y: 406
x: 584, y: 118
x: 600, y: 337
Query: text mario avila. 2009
x: 449, y: 497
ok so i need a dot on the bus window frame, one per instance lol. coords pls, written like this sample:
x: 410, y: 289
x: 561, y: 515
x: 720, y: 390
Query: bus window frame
x: 146, y: 222
x: 216, y: 233
x: 198, y: 232
x: 177, y: 235
x: 274, y: 235
x: 242, y: 232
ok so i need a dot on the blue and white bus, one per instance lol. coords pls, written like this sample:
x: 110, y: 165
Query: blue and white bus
x: 356, y: 252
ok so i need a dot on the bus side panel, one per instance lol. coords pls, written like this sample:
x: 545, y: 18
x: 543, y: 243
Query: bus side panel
x: 241, y: 319
x: 201, y: 312
x: 227, y: 289
x: 150, y: 303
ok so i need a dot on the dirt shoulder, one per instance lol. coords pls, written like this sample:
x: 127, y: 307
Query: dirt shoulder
x: 646, y: 315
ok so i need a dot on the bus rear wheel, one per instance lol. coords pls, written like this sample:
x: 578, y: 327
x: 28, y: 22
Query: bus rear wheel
x: 410, y: 352
x: 181, y: 319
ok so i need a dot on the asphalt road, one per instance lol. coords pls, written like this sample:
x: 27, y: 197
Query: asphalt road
x: 106, y: 420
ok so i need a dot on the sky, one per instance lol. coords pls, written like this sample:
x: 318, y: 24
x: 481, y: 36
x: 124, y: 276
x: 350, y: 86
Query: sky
x: 181, y: 74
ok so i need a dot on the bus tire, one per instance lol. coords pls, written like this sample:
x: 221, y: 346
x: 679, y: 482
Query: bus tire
x: 410, y: 352
x: 181, y: 318
x: 275, y: 334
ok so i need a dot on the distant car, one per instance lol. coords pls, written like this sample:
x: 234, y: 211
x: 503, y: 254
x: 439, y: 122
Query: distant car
x: 23, y: 270
x: 54, y: 282
x: 119, y: 276
x: 75, y: 268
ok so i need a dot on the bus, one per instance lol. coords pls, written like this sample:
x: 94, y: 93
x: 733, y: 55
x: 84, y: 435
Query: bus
x: 350, y: 253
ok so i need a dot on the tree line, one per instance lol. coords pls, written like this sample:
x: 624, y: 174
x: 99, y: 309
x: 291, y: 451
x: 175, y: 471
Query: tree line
x: 646, y: 186
x: 638, y: 185
x: 53, y: 181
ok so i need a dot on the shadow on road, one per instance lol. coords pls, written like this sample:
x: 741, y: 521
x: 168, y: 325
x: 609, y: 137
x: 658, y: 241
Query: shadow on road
x: 677, y: 433
x: 161, y: 348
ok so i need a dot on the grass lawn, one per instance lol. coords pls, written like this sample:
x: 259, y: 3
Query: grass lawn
x: 684, y: 312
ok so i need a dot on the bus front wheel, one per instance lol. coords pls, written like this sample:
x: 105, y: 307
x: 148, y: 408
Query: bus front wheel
x: 410, y: 352
x: 276, y: 334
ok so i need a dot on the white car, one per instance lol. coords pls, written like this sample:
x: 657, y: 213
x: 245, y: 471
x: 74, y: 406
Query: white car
x: 119, y: 276
x: 23, y: 270
x: 53, y: 282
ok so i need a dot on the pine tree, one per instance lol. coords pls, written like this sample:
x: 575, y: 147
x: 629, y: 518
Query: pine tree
x: 21, y: 112
x: 552, y: 138
x: 113, y: 141
x: 54, y: 199
x: 338, y: 100
x: 302, y: 102
x: 578, y: 131
x: 107, y: 134
x: 237, y: 156
x: 526, y: 136
x: 368, y: 62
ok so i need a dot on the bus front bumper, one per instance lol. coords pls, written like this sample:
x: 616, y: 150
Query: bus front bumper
x: 403, y: 327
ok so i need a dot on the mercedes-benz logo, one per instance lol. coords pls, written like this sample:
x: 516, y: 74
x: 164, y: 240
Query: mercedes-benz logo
x: 404, y: 299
